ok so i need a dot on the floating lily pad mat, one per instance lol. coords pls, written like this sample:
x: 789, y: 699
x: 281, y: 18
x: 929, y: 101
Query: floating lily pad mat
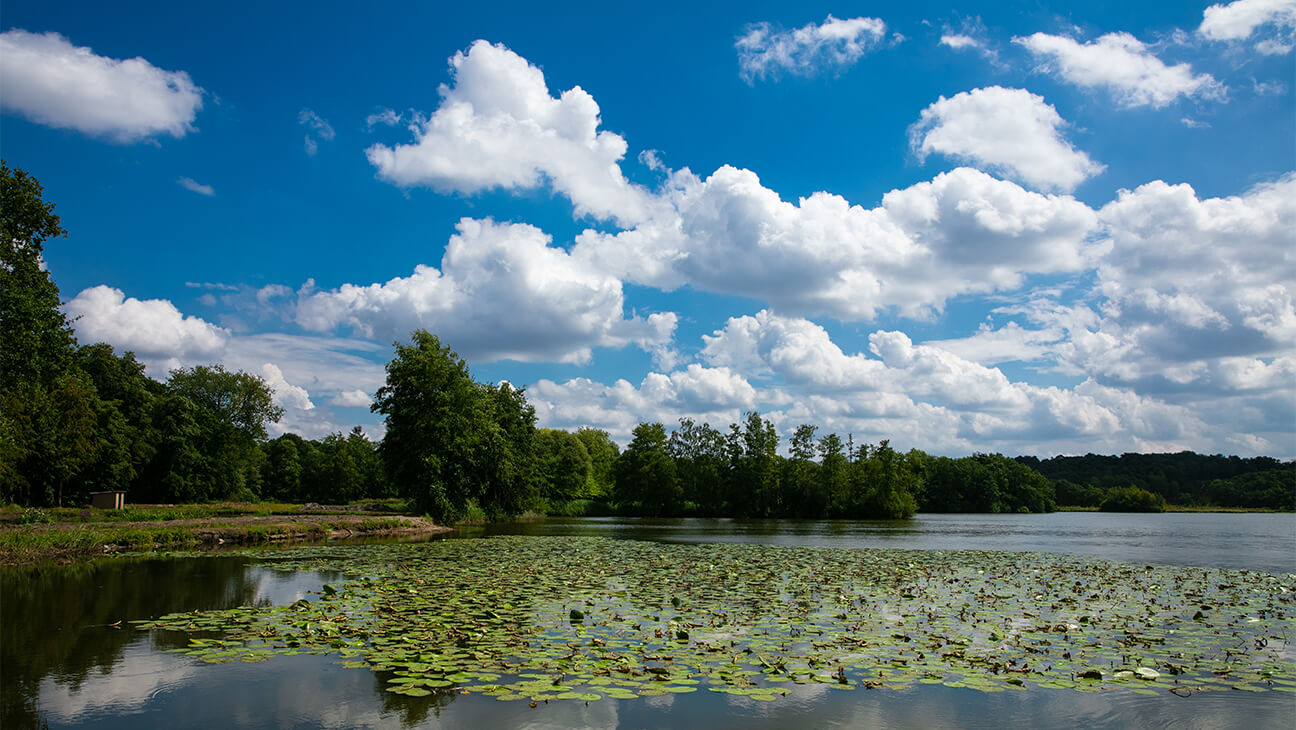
x: 556, y: 618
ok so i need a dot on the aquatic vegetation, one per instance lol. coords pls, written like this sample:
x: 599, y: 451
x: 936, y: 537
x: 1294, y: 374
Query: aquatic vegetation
x: 553, y: 618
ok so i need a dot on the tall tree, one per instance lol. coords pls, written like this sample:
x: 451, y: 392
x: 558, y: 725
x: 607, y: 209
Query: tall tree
x: 603, y: 453
x: 451, y: 440
x: 240, y: 399
x: 645, y: 473
x: 38, y: 341
x: 434, y: 419
x: 564, y: 464
x: 48, y: 409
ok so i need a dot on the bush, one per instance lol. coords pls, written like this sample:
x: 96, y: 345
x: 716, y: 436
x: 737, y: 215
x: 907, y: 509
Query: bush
x: 1132, y: 499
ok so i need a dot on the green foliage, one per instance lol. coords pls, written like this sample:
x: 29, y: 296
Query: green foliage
x: 1131, y: 499
x: 240, y: 399
x: 565, y: 465
x: 985, y: 483
x: 1275, y: 488
x: 1182, y: 478
x: 701, y: 465
x: 603, y: 453
x: 450, y: 439
x: 38, y: 341
x: 754, y: 489
x: 646, y: 482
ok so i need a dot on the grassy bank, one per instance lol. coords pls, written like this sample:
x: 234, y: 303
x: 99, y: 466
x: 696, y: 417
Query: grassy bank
x: 33, y: 536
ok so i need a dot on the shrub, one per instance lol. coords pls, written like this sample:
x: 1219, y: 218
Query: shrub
x: 1131, y: 499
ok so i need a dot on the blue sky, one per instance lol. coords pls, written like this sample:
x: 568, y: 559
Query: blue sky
x: 1024, y: 228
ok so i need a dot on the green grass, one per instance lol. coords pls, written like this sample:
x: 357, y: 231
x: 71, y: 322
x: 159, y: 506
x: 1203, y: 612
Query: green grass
x: 32, y: 543
x: 13, y: 514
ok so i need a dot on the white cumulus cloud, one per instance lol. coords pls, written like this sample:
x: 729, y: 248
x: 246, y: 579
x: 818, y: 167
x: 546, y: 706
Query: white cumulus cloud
x: 1240, y: 20
x: 352, y: 399
x: 1124, y: 66
x: 958, y: 41
x: 715, y: 394
x: 498, y: 127
x: 52, y: 82
x: 287, y: 395
x: 962, y: 232
x: 502, y: 292
x: 152, y: 328
x: 1009, y: 131
x: 833, y: 44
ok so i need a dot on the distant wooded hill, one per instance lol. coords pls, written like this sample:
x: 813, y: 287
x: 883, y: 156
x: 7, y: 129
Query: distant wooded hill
x: 1184, y: 478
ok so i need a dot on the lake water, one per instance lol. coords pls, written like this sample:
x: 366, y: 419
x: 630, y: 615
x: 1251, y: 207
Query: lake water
x: 65, y: 662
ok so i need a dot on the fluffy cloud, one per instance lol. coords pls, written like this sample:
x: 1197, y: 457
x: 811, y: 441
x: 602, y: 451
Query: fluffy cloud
x: 152, y: 328
x: 1190, y: 280
x: 702, y: 393
x: 914, y: 394
x: 1193, y: 299
x: 962, y: 232
x: 352, y: 399
x: 831, y: 45
x: 927, y: 396
x: 52, y: 82
x: 1240, y: 20
x: 958, y: 41
x: 1009, y: 131
x: 502, y: 292
x: 498, y: 127
x: 285, y: 394
x: 1123, y: 65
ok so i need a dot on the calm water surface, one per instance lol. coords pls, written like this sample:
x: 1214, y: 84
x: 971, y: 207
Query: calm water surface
x: 1242, y: 541
x: 65, y: 664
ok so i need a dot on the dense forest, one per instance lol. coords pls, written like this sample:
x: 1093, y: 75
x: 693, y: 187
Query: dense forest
x: 1183, y: 478
x: 81, y: 418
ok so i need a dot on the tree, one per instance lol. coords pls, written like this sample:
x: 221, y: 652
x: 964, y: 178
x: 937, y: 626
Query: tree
x: 801, y: 491
x: 434, y: 419
x: 451, y: 441
x: 833, y: 468
x: 603, y: 453
x: 38, y: 341
x: 240, y: 399
x: 754, y: 486
x: 47, y: 409
x: 510, y: 482
x: 701, y: 465
x: 564, y: 464
x: 645, y: 473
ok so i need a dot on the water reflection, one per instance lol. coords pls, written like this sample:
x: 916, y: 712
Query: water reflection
x: 314, y: 692
x: 65, y: 624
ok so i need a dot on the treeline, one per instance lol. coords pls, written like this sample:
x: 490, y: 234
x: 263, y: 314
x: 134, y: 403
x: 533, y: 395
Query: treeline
x: 455, y: 446
x: 1183, y: 478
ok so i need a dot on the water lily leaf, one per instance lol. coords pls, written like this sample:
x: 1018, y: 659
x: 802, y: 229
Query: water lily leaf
x: 527, y: 617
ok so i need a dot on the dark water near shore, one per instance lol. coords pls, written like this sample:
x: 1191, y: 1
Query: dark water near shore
x: 64, y: 664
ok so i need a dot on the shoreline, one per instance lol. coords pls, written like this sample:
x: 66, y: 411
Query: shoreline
x: 68, y: 542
